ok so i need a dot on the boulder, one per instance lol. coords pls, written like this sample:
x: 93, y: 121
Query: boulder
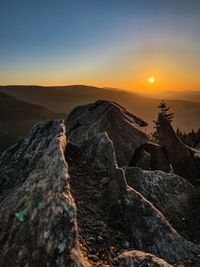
x: 157, y: 159
x: 97, y: 151
x: 37, y: 212
x: 149, y: 230
x: 136, y: 258
x: 122, y: 127
x: 180, y: 157
x: 169, y: 193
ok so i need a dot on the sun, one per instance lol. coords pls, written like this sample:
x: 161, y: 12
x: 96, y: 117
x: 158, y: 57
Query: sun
x: 151, y: 79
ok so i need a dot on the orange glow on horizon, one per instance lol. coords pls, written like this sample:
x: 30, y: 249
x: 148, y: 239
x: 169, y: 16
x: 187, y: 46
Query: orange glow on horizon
x: 140, y: 80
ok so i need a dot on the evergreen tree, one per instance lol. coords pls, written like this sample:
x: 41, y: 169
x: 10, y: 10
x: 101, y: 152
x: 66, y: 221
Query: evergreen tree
x: 164, y: 108
x: 164, y: 113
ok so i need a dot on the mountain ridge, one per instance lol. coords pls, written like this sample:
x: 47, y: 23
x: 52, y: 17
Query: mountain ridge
x: 17, y: 117
x: 65, y: 98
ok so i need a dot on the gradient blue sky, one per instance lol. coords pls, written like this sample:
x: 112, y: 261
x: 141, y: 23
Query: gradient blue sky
x: 116, y: 43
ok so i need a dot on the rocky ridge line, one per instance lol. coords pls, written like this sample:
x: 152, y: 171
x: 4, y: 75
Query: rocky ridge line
x: 37, y: 212
x: 100, y: 215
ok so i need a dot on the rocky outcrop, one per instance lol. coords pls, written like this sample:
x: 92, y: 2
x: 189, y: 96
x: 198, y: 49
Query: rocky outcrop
x: 125, y: 216
x: 180, y: 157
x: 150, y: 232
x: 169, y: 193
x: 157, y: 159
x: 89, y: 212
x: 122, y: 127
x: 138, y: 258
x: 37, y: 211
x: 171, y: 155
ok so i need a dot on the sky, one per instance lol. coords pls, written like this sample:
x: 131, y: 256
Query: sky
x: 106, y: 43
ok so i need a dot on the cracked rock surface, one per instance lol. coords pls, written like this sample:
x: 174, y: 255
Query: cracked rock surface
x: 122, y: 127
x: 37, y: 211
x: 170, y: 193
x: 125, y: 217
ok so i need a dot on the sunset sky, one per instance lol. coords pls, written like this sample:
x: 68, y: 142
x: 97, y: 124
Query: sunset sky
x: 107, y: 43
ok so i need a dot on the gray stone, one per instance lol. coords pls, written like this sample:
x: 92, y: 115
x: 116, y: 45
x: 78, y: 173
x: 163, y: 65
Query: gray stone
x: 180, y: 157
x: 37, y: 211
x: 169, y: 193
x: 122, y: 127
x: 157, y: 158
x: 150, y: 231
x: 144, y: 226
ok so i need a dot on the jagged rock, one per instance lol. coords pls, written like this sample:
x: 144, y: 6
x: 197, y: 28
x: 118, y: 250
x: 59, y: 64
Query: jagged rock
x: 97, y: 150
x: 137, y: 258
x: 149, y: 231
x: 95, y: 156
x: 179, y: 155
x: 169, y: 193
x: 157, y: 158
x: 122, y: 127
x: 37, y: 211
x: 103, y: 185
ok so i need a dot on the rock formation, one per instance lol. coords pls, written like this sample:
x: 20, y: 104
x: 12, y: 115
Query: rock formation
x: 156, y: 155
x: 92, y: 212
x: 169, y: 193
x: 180, y: 156
x: 37, y: 211
x: 122, y: 127
x: 172, y: 154
x: 107, y: 196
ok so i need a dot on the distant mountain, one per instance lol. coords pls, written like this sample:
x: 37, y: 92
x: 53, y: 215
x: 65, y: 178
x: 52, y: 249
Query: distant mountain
x: 64, y: 98
x: 190, y: 95
x: 17, y: 117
